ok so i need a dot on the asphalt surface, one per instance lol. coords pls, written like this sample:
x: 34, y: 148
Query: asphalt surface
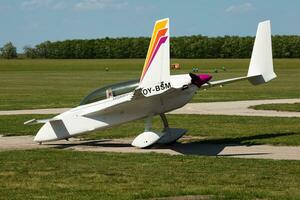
x: 182, y: 148
x: 240, y: 108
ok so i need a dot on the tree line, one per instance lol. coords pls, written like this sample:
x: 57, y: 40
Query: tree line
x: 197, y: 46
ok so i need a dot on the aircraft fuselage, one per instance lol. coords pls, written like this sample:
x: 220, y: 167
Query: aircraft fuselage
x: 74, y: 122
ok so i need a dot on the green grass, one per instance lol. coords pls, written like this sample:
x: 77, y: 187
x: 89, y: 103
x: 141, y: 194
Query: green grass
x: 13, y: 125
x: 58, y: 174
x: 26, y: 84
x: 61, y: 174
x: 293, y: 107
x: 212, y: 129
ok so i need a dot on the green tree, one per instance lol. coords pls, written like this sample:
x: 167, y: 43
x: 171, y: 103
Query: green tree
x: 195, y: 46
x: 30, y: 52
x: 8, y: 51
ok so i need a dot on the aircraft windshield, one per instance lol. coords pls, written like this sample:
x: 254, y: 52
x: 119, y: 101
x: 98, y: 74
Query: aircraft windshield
x: 110, y: 91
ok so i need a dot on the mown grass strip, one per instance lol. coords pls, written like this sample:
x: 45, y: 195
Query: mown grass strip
x: 57, y: 174
x: 42, y: 83
x: 292, y: 107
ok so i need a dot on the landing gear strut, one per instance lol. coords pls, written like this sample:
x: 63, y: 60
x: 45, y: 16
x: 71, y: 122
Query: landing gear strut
x: 164, y: 120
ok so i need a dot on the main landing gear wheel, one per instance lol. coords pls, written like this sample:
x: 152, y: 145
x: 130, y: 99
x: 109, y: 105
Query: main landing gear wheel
x: 167, y: 136
x: 170, y: 135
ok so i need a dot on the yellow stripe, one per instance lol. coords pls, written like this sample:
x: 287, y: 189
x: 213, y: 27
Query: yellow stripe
x: 159, y: 25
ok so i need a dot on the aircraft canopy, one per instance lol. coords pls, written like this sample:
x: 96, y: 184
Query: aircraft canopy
x: 110, y: 91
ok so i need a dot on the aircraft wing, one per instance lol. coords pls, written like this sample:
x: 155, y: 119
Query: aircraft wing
x: 116, y: 105
x: 261, y: 63
x: 111, y: 106
x: 223, y: 82
x: 231, y: 80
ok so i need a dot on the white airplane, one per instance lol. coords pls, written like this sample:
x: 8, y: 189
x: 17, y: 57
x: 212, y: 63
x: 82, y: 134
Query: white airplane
x: 155, y: 93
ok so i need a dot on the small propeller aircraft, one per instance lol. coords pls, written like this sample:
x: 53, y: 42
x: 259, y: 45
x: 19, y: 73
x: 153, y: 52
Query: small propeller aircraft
x: 155, y: 93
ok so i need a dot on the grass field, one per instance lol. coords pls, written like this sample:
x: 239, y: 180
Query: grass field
x: 293, y: 107
x: 63, y: 83
x: 63, y: 174
x: 212, y: 129
x: 56, y: 174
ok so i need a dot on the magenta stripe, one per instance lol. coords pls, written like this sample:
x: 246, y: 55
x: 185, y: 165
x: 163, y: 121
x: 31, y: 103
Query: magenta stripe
x: 161, y: 41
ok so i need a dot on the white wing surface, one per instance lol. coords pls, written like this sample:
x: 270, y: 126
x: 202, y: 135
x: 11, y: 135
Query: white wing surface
x: 261, y: 63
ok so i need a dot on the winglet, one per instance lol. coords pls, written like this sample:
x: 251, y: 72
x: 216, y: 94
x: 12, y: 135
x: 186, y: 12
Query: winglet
x: 156, y: 70
x: 261, y: 63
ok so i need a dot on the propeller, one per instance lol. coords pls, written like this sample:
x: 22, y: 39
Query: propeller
x: 200, y: 79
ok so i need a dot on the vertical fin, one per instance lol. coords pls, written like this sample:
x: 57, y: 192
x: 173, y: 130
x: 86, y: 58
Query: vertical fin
x: 261, y: 63
x: 156, y: 70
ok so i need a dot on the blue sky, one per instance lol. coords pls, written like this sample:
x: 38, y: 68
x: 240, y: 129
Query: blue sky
x: 29, y: 22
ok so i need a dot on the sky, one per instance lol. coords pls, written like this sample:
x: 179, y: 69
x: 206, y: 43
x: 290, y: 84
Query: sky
x: 29, y: 22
